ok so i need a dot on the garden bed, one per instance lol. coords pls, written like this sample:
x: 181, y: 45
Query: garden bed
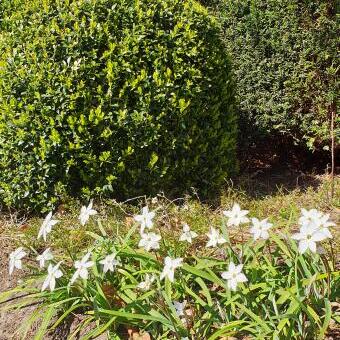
x: 117, y: 219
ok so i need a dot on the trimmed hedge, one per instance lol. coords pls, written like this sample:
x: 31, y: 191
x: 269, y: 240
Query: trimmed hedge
x: 286, y: 62
x: 113, y: 98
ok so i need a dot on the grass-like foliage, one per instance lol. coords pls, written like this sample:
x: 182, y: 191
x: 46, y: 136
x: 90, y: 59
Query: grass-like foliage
x: 277, y: 284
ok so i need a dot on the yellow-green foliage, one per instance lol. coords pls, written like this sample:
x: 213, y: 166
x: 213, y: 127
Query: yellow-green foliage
x: 111, y: 97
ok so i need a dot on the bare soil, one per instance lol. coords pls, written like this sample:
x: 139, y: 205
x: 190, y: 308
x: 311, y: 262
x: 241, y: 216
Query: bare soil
x: 10, y: 321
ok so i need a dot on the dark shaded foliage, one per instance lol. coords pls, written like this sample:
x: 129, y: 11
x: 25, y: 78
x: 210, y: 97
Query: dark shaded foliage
x: 285, y: 58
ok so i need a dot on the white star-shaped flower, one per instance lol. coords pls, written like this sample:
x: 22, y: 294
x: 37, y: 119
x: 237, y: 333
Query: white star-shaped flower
x: 187, y: 235
x: 234, y: 276
x: 180, y: 307
x: 169, y: 268
x: 109, y: 263
x: 44, y: 257
x: 146, y: 284
x: 46, y: 226
x: 145, y: 219
x: 236, y: 216
x: 149, y: 241
x: 82, y: 268
x: 86, y: 212
x: 308, y: 236
x: 215, y: 238
x: 314, y: 219
x: 260, y: 229
x: 324, y: 224
x: 15, y: 259
x: 53, y: 273
x: 308, y: 216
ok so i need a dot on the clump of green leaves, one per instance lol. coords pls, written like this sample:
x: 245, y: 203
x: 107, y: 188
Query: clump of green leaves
x: 113, y: 98
x: 285, y: 60
x: 288, y: 293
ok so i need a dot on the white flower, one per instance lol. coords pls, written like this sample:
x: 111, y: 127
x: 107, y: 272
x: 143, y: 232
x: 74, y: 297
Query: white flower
x: 308, y: 216
x: 81, y: 267
x: 146, y: 284
x: 314, y: 228
x: 187, y: 235
x: 46, y: 226
x: 145, y: 219
x: 15, y: 259
x: 180, y: 307
x: 215, y: 238
x: 314, y: 219
x: 109, y: 263
x: 234, y: 275
x: 44, y: 257
x: 149, y: 241
x: 169, y: 268
x: 324, y: 224
x: 181, y: 312
x: 236, y: 216
x: 53, y: 273
x: 86, y: 212
x: 260, y: 228
x: 308, y: 236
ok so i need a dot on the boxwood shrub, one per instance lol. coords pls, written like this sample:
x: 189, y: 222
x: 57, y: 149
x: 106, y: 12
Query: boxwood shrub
x: 117, y: 98
x: 285, y: 60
